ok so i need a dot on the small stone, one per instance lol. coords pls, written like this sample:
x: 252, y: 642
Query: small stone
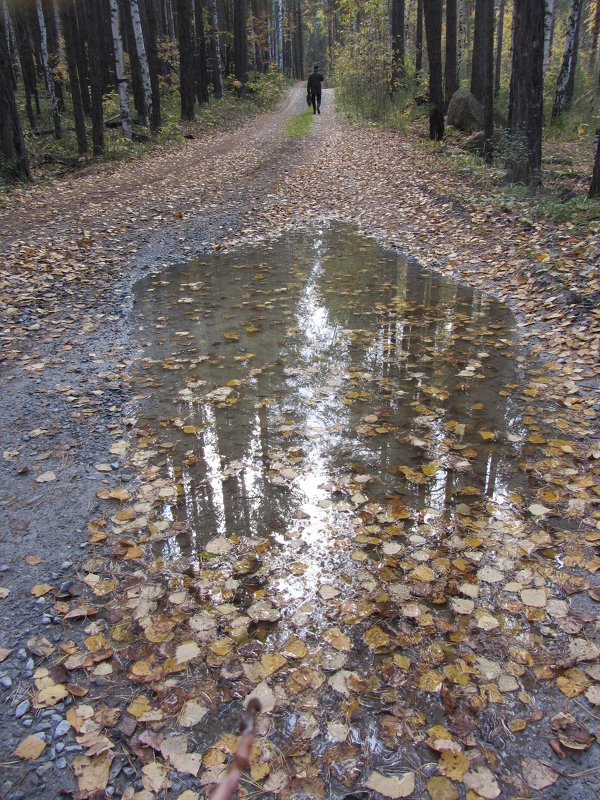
x: 46, y: 620
x: 66, y: 564
x: 61, y: 729
x: 5, y: 682
x: 61, y: 763
x: 60, y: 746
x: 22, y: 709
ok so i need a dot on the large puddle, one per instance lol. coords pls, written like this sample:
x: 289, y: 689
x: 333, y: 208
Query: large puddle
x: 331, y: 440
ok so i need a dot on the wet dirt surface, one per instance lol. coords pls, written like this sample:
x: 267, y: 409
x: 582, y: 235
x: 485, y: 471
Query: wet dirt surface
x: 374, y: 438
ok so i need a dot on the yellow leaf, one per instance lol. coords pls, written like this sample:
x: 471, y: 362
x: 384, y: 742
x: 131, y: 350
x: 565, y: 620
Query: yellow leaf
x: 140, y: 706
x: 272, y: 662
x: 30, y: 748
x: 40, y: 589
x: 453, y: 764
x: 375, y: 637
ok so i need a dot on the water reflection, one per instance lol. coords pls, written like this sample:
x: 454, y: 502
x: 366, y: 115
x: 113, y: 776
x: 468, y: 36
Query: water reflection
x: 304, y: 391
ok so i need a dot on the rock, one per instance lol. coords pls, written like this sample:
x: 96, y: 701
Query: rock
x: 22, y: 709
x: 465, y: 112
x: 61, y: 763
x: 61, y: 729
x: 475, y: 142
x: 5, y: 682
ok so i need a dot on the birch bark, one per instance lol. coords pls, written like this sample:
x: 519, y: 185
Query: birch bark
x: 141, y: 53
x: 215, y: 50
x: 48, y: 71
x: 115, y: 24
x: 548, y: 19
x: 564, y: 91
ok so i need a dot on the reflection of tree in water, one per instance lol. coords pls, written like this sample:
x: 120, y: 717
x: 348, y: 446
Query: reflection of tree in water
x: 411, y: 331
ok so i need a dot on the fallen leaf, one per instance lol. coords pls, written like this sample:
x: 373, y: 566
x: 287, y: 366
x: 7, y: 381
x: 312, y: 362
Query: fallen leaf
x: 537, y: 774
x: 394, y: 787
x: 30, y: 748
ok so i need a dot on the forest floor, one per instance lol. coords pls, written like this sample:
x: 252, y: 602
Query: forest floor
x: 86, y: 710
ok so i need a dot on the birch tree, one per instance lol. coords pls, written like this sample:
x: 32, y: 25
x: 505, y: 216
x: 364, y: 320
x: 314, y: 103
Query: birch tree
x: 566, y: 76
x: 548, y: 22
x: 48, y: 71
x: 595, y: 184
x: 141, y: 53
x: 115, y: 24
x: 215, y: 50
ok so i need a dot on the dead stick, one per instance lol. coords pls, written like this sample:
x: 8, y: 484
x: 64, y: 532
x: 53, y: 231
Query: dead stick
x: 241, y: 759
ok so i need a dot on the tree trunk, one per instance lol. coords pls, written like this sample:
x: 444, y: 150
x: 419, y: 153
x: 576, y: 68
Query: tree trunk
x: 215, y: 50
x: 201, y: 70
x: 80, y: 31
x: 252, y: 37
x: 48, y: 71
x: 419, y: 39
x: 499, y: 36
x: 93, y: 24
x: 548, y: 26
x: 69, y: 28
x: 433, y: 34
x: 566, y: 76
x: 13, y: 156
x: 140, y: 49
x: 54, y: 55
x: 595, y: 34
x: 186, y: 59
x: 149, y: 17
x: 134, y: 63
x: 595, y: 184
x: 27, y: 64
x: 240, y: 39
x: 398, y: 66
x: 115, y: 23
x: 526, y: 90
x: 300, y: 74
x: 450, y: 71
x: 479, y: 54
x: 488, y: 95
x: 279, y: 34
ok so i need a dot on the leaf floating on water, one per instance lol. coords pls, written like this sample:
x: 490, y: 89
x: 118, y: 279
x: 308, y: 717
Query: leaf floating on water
x: 392, y: 787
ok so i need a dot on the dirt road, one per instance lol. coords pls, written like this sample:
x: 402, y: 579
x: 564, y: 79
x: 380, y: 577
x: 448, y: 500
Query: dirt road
x: 70, y: 255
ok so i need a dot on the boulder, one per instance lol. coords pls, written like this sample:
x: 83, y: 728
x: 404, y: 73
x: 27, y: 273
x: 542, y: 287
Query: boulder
x: 465, y: 112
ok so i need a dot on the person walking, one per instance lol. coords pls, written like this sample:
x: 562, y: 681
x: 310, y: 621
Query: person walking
x: 315, y: 79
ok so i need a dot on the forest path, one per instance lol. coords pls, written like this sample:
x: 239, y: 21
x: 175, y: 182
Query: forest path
x: 72, y: 251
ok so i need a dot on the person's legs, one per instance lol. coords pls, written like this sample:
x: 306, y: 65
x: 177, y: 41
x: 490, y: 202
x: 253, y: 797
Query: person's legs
x: 314, y: 103
x: 319, y: 103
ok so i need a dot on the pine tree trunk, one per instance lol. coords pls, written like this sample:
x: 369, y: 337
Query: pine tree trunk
x: 27, y: 64
x: 398, y: 66
x: 201, y: 69
x: 140, y: 48
x: 409, y: 9
x: 80, y: 30
x: 450, y: 69
x: 488, y: 95
x: 595, y: 184
x: 279, y: 34
x: 478, y: 60
x: 69, y: 28
x: 499, y: 36
x: 419, y: 39
x: 115, y: 23
x: 240, y: 40
x: 526, y: 90
x: 149, y: 16
x: 215, y: 51
x: 107, y: 54
x: 95, y: 58
x: 48, y: 71
x: 252, y: 37
x: 433, y: 34
x: 186, y: 58
x: 566, y: 76
x: 548, y: 26
x: 460, y: 37
x: 13, y: 156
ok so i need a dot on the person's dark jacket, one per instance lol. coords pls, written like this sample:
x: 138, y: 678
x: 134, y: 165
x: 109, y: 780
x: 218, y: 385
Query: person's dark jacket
x: 315, y: 79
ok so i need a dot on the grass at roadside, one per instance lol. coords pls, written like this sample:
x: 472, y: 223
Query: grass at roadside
x: 299, y: 125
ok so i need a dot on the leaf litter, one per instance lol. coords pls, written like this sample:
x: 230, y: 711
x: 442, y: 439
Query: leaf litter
x: 389, y: 555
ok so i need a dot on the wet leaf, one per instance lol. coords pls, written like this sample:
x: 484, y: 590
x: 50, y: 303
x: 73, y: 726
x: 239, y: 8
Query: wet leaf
x: 538, y: 774
x: 393, y: 787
